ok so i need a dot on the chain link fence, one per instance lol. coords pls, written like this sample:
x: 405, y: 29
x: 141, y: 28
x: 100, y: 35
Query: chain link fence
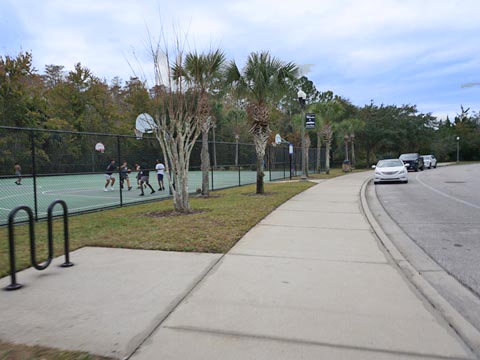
x: 65, y: 165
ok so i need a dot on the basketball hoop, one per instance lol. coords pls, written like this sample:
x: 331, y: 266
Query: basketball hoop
x: 100, y: 147
x: 138, y: 134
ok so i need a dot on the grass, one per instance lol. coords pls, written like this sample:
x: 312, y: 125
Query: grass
x: 219, y: 222
x: 216, y: 225
x: 10, y: 351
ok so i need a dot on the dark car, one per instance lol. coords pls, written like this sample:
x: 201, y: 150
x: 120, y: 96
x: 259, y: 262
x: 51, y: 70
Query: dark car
x: 413, y: 161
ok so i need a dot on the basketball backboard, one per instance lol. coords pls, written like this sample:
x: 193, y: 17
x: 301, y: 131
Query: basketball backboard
x: 145, y: 123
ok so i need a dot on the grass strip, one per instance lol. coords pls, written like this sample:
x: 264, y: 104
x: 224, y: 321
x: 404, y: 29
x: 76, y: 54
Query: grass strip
x: 10, y: 351
x: 218, y: 222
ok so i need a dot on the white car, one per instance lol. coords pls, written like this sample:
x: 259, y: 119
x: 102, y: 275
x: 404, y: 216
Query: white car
x: 429, y: 161
x: 390, y: 170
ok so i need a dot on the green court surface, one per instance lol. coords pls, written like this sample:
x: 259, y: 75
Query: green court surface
x: 86, y: 192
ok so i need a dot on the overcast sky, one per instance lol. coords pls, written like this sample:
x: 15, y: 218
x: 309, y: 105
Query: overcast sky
x: 423, y: 52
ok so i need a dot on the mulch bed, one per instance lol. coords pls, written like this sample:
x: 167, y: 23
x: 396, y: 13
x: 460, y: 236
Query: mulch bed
x: 167, y: 213
x: 255, y: 194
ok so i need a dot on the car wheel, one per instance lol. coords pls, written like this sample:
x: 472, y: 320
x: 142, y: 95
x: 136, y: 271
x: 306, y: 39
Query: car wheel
x: 435, y: 167
x: 416, y: 169
x: 405, y: 182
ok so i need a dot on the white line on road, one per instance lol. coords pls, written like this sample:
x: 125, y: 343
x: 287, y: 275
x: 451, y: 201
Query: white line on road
x: 446, y: 195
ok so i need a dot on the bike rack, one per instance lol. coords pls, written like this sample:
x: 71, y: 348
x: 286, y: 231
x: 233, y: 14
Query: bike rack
x: 13, y: 280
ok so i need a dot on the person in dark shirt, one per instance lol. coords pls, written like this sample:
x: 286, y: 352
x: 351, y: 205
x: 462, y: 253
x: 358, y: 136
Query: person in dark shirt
x: 144, y: 177
x: 124, y: 171
x: 109, y: 175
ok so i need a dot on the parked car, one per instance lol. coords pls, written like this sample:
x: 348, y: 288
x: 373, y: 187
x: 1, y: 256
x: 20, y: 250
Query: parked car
x: 390, y: 170
x: 429, y: 161
x: 413, y: 161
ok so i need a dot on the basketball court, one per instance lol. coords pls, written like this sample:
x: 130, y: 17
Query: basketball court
x: 85, y: 192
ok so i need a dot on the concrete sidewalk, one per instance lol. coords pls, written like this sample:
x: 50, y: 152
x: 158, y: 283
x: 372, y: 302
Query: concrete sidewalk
x: 311, y: 281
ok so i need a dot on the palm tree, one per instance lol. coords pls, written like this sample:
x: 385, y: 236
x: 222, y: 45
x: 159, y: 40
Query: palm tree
x: 203, y: 73
x: 356, y: 125
x: 261, y: 83
x: 329, y: 110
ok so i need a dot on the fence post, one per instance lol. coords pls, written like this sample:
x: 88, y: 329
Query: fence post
x: 119, y: 170
x: 34, y: 175
x: 238, y: 164
x: 211, y: 167
x: 270, y: 162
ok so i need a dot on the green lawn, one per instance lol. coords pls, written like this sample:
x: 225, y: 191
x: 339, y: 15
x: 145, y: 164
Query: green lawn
x: 217, y: 223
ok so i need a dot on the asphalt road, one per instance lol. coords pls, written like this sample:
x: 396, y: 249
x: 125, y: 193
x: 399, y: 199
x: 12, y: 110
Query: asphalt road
x: 440, y: 210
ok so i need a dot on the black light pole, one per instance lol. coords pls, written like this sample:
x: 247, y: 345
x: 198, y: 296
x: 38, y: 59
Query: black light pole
x: 458, y: 149
x: 301, y: 99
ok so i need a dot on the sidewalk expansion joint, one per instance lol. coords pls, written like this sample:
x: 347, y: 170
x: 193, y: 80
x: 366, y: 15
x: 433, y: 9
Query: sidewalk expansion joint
x: 174, y: 306
x: 279, y: 339
x: 310, y: 259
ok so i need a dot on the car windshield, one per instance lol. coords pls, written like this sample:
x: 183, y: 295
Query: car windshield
x: 389, y: 163
x: 408, y: 157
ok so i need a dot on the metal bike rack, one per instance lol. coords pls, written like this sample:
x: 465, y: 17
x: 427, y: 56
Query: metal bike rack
x: 11, y: 240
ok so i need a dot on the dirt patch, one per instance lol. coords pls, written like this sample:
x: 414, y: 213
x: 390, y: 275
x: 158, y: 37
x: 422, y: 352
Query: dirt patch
x: 211, y: 196
x: 255, y: 194
x: 168, y: 213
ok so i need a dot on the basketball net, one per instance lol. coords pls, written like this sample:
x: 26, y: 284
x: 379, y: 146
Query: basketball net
x: 138, y: 134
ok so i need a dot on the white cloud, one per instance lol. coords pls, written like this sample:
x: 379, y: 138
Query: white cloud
x: 388, y: 50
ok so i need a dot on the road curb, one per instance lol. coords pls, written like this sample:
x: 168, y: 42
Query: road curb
x: 469, y: 334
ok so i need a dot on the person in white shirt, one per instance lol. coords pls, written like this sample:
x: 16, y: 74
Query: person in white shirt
x: 160, y: 171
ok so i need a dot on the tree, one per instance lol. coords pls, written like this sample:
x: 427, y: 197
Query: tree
x: 329, y: 109
x: 203, y: 73
x: 178, y: 118
x: 236, y: 120
x: 348, y: 129
x: 261, y: 83
x: 21, y: 92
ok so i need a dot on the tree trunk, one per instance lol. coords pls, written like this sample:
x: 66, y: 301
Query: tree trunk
x: 260, y: 174
x: 260, y: 139
x: 179, y: 186
x: 353, y: 154
x: 205, y: 159
x: 346, y: 149
x: 327, y: 157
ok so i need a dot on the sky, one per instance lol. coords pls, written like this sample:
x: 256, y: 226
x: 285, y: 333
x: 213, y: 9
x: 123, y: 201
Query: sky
x: 393, y: 52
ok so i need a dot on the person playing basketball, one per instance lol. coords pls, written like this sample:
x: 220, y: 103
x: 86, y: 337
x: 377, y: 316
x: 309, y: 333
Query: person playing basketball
x: 144, y: 177
x: 109, y: 178
x: 160, y: 171
x: 18, y: 173
x: 124, y: 170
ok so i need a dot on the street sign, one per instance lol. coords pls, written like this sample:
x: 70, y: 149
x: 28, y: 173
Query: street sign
x: 290, y: 149
x: 310, y: 121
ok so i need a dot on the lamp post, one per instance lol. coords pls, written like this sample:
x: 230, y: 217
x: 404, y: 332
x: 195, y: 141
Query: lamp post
x: 458, y: 148
x: 301, y: 99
